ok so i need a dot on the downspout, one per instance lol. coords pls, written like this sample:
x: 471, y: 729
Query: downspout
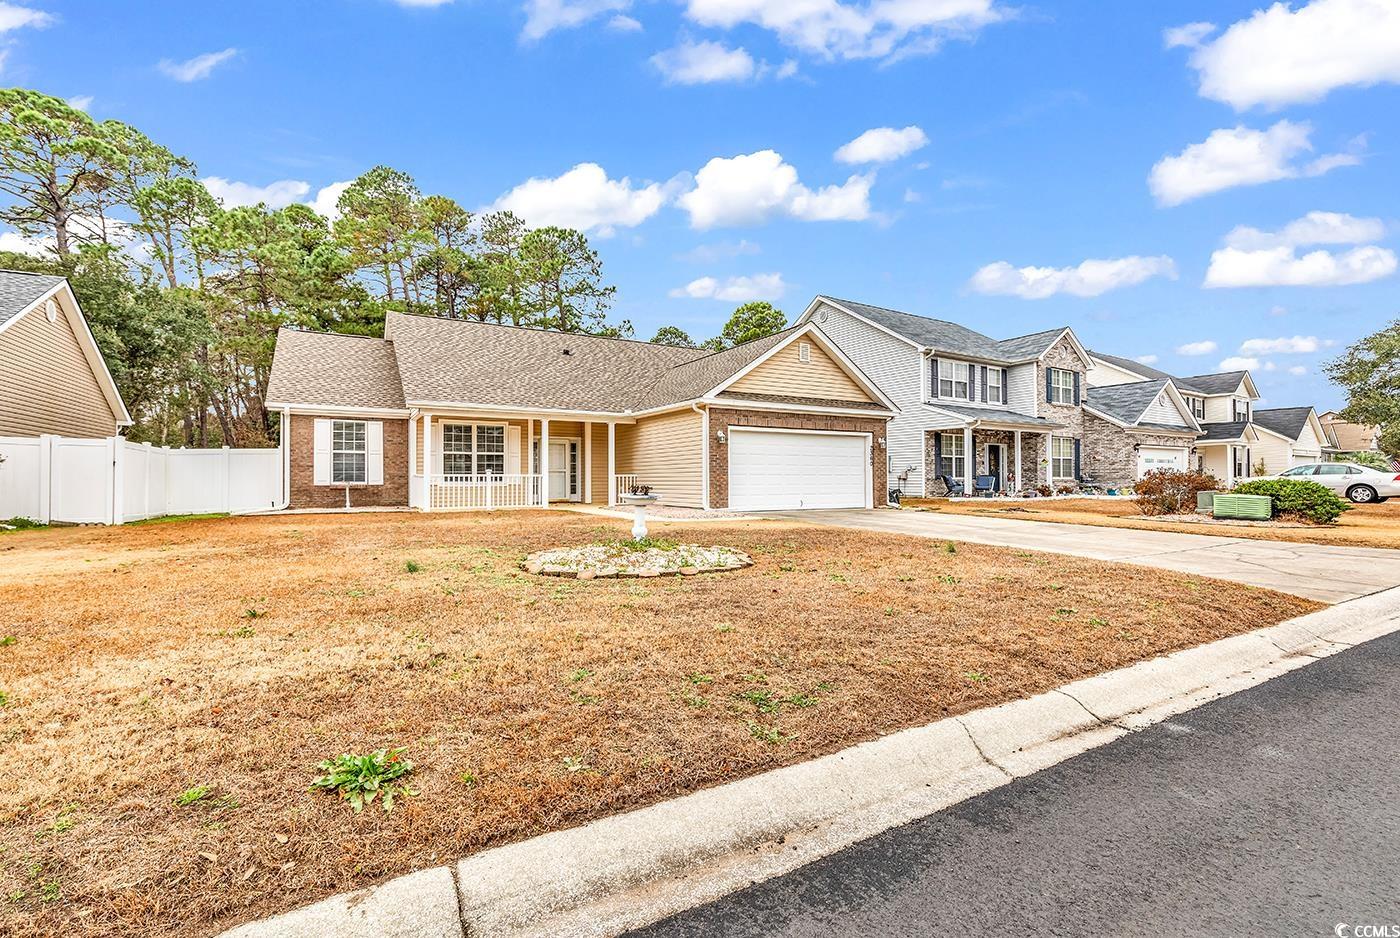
x: 704, y: 454
x: 284, y: 444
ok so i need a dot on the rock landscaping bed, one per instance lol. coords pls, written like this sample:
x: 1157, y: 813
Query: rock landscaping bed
x: 649, y: 557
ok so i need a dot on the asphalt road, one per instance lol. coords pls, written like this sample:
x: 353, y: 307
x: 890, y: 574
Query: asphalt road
x: 1273, y: 812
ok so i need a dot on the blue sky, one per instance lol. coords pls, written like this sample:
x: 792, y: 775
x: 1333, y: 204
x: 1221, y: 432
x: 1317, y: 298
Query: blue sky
x: 1032, y: 132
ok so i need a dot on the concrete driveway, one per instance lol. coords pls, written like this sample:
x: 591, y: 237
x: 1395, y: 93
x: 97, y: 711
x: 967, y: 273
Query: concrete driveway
x: 1316, y: 571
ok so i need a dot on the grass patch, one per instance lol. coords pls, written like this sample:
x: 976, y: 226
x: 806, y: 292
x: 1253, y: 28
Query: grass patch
x: 172, y: 519
x: 362, y: 779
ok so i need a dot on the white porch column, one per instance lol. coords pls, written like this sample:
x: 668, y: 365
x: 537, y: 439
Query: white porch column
x: 588, y: 462
x: 968, y: 460
x: 413, y: 464
x: 612, y: 464
x: 1019, y: 482
x: 1049, y: 463
x: 1229, y: 467
x: 544, y: 461
x: 427, y: 462
x: 530, y: 446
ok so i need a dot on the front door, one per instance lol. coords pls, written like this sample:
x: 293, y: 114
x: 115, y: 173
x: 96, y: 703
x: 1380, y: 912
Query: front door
x: 994, y: 466
x: 563, y: 470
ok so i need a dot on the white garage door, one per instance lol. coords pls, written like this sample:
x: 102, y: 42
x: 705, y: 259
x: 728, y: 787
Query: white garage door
x: 773, y: 470
x: 1161, y: 457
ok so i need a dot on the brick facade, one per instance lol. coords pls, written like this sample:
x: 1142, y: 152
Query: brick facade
x: 1061, y: 355
x: 306, y: 494
x: 1108, y: 454
x: 724, y: 418
x: 1032, y: 454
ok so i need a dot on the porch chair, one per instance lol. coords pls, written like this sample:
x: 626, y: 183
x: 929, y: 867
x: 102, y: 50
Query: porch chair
x: 984, y: 486
x: 946, y: 487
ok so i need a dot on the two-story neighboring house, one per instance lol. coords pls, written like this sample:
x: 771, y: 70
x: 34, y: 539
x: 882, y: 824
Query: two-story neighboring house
x: 1222, y: 404
x: 969, y: 405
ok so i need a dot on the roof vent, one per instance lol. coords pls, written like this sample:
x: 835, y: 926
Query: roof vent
x: 51, y: 310
x: 568, y: 351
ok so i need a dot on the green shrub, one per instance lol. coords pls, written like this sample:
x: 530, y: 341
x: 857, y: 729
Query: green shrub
x: 360, y: 779
x: 1171, y: 491
x: 1299, y: 499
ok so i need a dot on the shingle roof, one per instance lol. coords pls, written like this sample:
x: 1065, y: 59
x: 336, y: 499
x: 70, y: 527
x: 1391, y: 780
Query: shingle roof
x: 693, y: 378
x: 997, y: 416
x: 1125, y: 402
x: 333, y: 369
x: 1136, y: 367
x: 1288, y: 421
x: 941, y: 335
x: 1224, y: 382
x: 1222, y: 432
x: 19, y: 290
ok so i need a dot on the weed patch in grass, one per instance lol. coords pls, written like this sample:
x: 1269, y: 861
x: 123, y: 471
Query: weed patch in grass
x: 361, y: 779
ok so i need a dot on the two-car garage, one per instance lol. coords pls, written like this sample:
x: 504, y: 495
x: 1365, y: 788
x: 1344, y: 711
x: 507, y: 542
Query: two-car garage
x: 778, y: 469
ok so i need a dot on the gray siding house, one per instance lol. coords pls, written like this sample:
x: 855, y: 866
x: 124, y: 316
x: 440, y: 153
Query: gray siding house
x: 969, y: 405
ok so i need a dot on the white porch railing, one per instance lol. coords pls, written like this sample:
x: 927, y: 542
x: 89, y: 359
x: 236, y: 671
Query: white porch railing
x: 622, y: 485
x: 464, y: 492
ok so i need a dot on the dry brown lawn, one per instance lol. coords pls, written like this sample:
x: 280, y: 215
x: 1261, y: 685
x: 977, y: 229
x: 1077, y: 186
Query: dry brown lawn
x: 1363, y: 526
x: 137, y: 670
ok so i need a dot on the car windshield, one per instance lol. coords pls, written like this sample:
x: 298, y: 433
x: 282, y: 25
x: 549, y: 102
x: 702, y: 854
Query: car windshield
x: 1301, y: 471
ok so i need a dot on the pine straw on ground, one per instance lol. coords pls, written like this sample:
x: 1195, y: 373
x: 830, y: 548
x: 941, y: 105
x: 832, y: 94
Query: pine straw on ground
x: 237, y: 653
x: 1375, y: 525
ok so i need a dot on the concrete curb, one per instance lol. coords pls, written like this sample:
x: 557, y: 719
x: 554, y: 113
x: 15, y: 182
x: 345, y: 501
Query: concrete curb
x: 631, y: 869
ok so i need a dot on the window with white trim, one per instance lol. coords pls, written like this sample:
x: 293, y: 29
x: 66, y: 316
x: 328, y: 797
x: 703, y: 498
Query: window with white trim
x: 1062, y: 457
x: 952, y: 459
x: 1241, y: 408
x: 349, y: 447
x: 1061, y: 386
x: 996, y: 388
x: 1198, y: 407
x: 954, y: 380
x: 473, y: 449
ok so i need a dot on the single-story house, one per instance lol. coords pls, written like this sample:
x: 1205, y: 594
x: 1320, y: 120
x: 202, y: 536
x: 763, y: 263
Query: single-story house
x: 454, y: 414
x: 1132, y: 429
x: 1343, y: 436
x: 1288, y: 437
x: 53, y: 379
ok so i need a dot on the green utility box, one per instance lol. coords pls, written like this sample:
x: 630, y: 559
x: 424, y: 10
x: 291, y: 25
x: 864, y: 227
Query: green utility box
x: 1205, y: 501
x: 1250, y: 507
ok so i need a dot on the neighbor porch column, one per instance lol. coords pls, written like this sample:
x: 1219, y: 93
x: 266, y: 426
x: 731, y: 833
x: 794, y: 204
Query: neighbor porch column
x: 588, y: 462
x: 413, y: 464
x: 1229, y: 467
x: 544, y: 461
x: 427, y: 462
x: 612, y: 464
x: 1049, y: 463
x: 1018, y: 461
x: 968, y: 460
x: 530, y: 446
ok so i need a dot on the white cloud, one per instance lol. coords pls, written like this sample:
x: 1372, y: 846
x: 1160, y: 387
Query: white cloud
x: 1204, y: 347
x: 1239, y: 363
x: 625, y: 24
x: 1278, y: 311
x: 542, y: 17
x: 1283, y: 56
x: 196, y: 68
x: 279, y: 194
x: 1282, y: 267
x: 882, y: 144
x: 1255, y: 258
x: 81, y: 101
x: 326, y: 197
x: 14, y: 17
x: 1298, y: 370
x: 734, y: 289
x: 830, y: 29
x: 1312, y: 228
x: 1091, y: 278
x: 1146, y: 359
x: 584, y: 198
x: 709, y: 253
x: 698, y: 63
x: 751, y: 188
x: 1189, y: 36
x: 422, y: 3
x: 1283, y: 345
x: 1239, y: 157
x: 19, y: 244
x: 912, y: 195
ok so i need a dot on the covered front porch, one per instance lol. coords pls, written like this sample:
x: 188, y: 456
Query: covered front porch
x: 1228, y: 460
x: 998, y: 457
x: 463, y: 460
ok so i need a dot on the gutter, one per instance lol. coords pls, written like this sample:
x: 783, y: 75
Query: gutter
x: 284, y: 444
x: 704, y: 454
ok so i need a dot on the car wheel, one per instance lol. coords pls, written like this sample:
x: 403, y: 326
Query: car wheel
x: 1361, y: 494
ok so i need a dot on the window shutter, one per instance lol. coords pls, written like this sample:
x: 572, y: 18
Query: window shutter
x: 1248, y: 463
x: 513, y: 451
x: 1049, y: 387
x: 374, y: 452
x: 1077, y: 476
x: 933, y: 377
x: 937, y: 453
x: 984, y: 384
x: 321, y: 452
x: 1076, y: 389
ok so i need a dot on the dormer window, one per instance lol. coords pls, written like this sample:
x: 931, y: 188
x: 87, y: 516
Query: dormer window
x: 1241, y: 410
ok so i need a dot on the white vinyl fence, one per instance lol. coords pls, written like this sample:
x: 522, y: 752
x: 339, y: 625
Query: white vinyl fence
x: 111, y: 481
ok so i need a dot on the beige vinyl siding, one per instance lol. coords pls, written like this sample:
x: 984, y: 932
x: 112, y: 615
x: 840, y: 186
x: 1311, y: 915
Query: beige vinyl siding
x: 47, y: 384
x: 666, y: 452
x: 438, y: 421
x: 1220, y: 408
x: 785, y: 373
x: 1163, y: 410
x: 600, y: 463
x: 1102, y: 375
x: 1276, y: 452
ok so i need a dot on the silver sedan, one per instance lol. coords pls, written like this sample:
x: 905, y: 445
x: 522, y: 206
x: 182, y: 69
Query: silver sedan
x: 1361, y: 484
